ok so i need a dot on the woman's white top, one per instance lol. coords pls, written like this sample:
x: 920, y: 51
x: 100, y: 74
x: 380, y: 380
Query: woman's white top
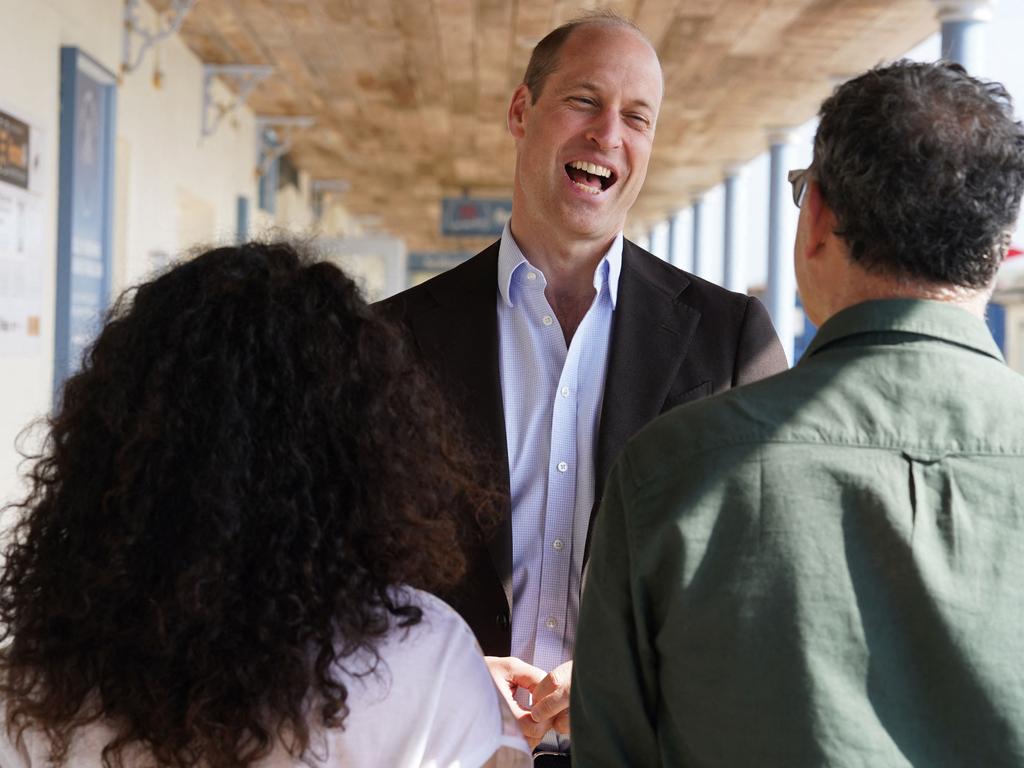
x: 430, y: 702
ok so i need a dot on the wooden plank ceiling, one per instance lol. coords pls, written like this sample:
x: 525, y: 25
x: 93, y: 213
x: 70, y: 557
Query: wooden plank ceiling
x: 410, y: 95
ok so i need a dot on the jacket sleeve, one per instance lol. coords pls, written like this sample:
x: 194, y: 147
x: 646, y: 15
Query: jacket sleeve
x: 759, y: 353
x: 614, y: 684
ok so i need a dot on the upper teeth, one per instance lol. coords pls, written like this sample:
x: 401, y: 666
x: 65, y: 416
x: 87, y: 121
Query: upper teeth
x: 596, y: 170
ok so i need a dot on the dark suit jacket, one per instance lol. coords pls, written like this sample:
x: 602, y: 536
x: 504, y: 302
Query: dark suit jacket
x: 675, y: 338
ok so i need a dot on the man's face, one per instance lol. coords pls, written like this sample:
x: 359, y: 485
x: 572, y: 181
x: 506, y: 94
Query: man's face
x: 582, y: 148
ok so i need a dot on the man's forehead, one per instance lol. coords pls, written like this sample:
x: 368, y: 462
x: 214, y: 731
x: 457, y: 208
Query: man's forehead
x: 579, y: 71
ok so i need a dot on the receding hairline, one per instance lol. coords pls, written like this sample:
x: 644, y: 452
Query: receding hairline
x: 545, y: 59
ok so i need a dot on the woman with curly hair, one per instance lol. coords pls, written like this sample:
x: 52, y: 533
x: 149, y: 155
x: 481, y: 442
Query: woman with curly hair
x: 214, y: 565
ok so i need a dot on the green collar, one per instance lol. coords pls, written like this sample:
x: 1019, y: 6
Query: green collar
x: 917, y: 316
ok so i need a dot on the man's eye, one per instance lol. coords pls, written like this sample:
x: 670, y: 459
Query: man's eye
x: 639, y: 120
x: 584, y: 100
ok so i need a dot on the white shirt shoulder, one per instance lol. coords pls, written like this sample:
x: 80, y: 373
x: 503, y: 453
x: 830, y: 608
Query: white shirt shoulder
x: 429, y: 702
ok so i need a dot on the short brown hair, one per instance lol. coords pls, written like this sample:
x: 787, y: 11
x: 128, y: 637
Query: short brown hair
x: 544, y: 59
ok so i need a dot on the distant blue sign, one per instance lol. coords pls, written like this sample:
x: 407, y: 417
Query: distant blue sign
x: 437, y: 261
x: 423, y: 265
x: 465, y: 216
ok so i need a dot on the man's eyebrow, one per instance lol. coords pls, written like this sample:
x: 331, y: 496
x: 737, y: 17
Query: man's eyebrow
x: 586, y: 85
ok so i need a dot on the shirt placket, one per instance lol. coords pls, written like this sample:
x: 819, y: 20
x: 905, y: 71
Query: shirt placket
x: 559, y: 510
x: 560, y: 497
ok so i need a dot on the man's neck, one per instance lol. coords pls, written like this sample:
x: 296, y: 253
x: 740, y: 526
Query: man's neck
x: 568, y: 267
x: 868, y: 287
x: 568, y: 264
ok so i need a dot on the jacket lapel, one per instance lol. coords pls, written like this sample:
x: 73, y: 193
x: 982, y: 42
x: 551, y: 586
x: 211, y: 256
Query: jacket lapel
x: 651, y: 332
x: 461, y: 333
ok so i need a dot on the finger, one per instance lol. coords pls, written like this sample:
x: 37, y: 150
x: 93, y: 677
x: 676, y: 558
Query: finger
x: 550, y: 706
x: 531, y: 729
x: 561, y: 722
x: 515, y: 671
x: 557, y: 679
x: 544, y: 688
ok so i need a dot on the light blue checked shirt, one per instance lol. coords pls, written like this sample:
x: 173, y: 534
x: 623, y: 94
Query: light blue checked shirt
x: 552, y: 399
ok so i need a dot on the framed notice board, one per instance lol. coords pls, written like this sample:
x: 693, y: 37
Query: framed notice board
x: 88, y: 94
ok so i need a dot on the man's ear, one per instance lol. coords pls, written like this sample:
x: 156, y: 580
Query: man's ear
x: 820, y: 219
x: 517, y: 111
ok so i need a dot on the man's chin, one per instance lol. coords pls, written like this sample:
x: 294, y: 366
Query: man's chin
x: 591, y: 227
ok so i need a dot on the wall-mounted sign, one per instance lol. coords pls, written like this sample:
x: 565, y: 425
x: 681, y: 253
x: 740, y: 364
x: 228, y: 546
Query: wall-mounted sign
x: 85, y: 215
x: 14, y: 151
x: 472, y: 216
x: 21, y: 238
x: 423, y: 265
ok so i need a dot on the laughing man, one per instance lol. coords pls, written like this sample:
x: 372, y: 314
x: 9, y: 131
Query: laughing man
x: 560, y: 341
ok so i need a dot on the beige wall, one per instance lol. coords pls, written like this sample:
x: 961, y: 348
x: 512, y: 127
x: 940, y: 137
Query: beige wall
x: 173, y: 188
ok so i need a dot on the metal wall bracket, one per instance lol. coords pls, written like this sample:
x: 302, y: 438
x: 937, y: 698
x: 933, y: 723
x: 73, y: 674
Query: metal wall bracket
x: 245, y: 76
x: 284, y: 130
x: 133, y: 28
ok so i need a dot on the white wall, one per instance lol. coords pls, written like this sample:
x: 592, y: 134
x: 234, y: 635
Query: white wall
x: 30, y: 41
x: 173, y: 188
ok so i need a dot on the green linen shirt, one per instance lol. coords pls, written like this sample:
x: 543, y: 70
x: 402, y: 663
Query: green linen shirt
x: 825, y: 567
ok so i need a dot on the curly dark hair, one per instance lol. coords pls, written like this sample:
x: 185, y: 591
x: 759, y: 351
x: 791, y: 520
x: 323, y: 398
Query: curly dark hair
x: 923, y: 166
x: 247, y: 463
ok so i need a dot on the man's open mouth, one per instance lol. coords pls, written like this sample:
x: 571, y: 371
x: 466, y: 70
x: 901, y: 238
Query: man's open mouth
x: 590, y: 176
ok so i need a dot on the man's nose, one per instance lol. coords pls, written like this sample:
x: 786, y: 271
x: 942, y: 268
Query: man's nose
x: 605, y: 130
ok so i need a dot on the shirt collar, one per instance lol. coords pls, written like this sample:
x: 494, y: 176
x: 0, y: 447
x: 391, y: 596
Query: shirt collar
x: 511, y: 258
x: 919, y: 316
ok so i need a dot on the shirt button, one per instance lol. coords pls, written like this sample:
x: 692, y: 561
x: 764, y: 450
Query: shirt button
x: 562, y: 466
x: 531, y: 275
x: 565, y: 391
x: 557, y: 544
x: 546, y: 320
x: 551, y: 623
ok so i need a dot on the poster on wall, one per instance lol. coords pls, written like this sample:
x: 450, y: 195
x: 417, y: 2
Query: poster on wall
x: 21, y: 241
x: 84, y: 222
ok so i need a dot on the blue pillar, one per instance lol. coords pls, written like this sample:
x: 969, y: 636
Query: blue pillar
x: 963, y: 31
x: 781, y: 294
x: 733, y: 277
x: 699, y: 267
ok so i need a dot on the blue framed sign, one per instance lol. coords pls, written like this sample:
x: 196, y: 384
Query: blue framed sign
x: 88, y: 95
x: 464, y: 216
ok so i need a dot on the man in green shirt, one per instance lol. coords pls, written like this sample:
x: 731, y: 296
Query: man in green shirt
x: 827, y: 567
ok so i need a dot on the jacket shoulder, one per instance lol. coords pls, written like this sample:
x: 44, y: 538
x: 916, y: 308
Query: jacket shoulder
x: 688, y: 288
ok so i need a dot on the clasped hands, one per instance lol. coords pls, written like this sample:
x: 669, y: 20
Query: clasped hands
x: 550, y: 691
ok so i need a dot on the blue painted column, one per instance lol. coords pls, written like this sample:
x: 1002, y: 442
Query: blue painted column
x: 733, y: 276
x: 781, y: 293
x: 699, y: 267
x: 963, y: 31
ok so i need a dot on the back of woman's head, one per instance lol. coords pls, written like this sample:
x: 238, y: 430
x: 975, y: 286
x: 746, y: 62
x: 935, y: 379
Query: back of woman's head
x: 246, y: 463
